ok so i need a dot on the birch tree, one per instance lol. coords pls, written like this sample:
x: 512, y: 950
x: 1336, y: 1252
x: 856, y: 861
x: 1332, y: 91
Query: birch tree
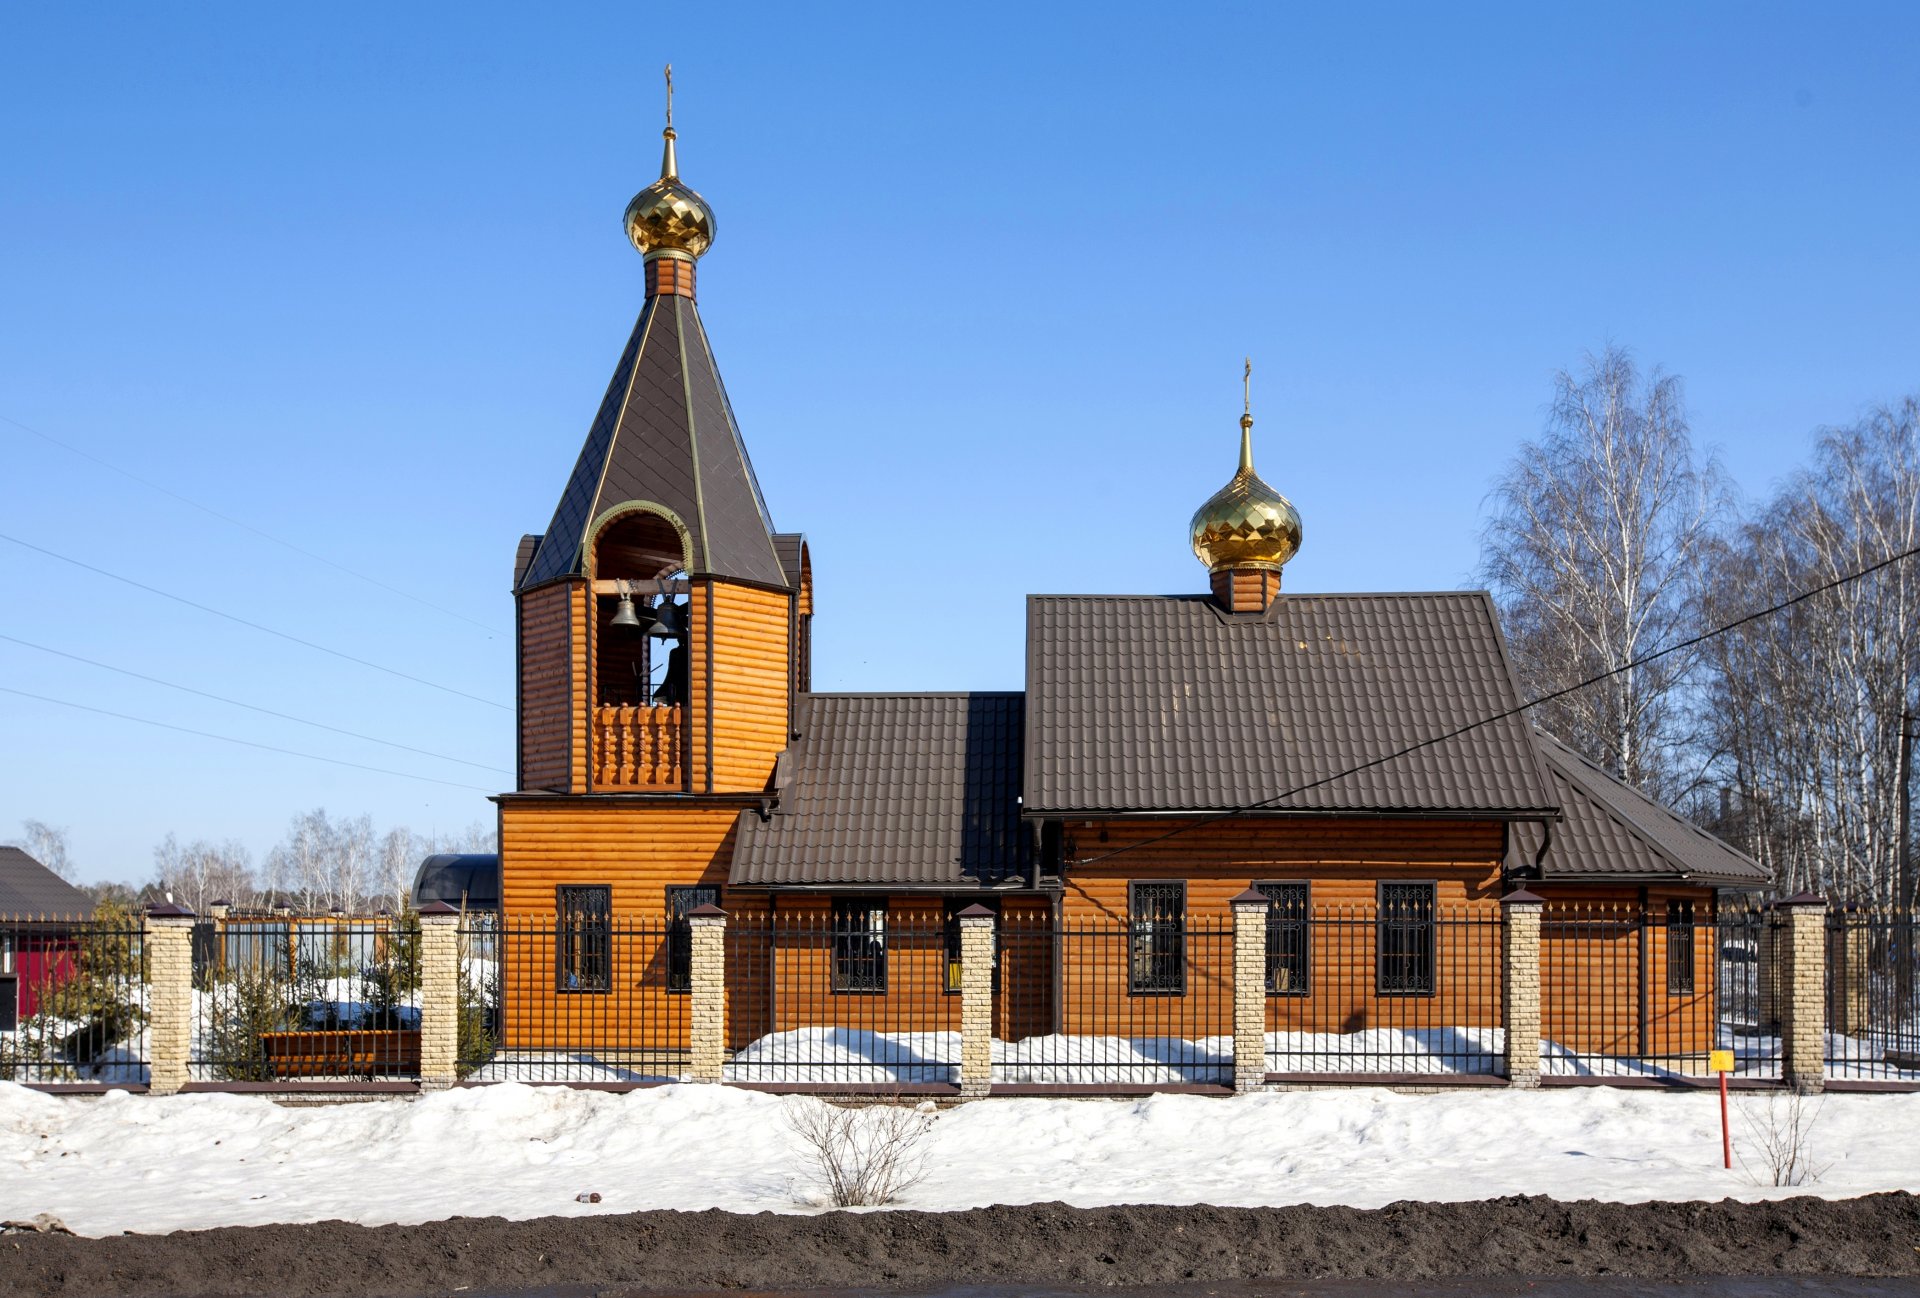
x: 1806, y: 705
x: 1600, y: 533
x: 199, y: 873
x: 46, y: 844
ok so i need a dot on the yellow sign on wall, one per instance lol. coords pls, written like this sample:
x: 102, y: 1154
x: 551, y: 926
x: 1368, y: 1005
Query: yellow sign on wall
x: 1720, y: 1061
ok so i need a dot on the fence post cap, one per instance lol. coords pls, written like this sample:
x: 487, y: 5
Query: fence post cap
x: 1521, y: 897
x: 1805, y: 899
x: 1251, y: 897
x: 706, y: 911
x: 975, y: 911
x: 169, y: 910
x: 219, y: 901
x: 439, y: 910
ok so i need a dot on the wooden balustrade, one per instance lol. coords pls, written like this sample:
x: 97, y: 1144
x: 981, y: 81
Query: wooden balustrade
x: 638, y: 746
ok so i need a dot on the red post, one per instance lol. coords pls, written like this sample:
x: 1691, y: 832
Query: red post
x: 1727, y: 1137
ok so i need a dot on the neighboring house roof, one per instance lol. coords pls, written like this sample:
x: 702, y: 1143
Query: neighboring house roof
x: 1612, y: 831
x: 30, y: 888
x: 901, y: 790
x: 469, y: 879
x: 1166, y: 703
x: 665, y: 435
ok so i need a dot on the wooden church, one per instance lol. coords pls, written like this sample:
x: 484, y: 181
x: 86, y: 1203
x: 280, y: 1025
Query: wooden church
x: 1167, y: 753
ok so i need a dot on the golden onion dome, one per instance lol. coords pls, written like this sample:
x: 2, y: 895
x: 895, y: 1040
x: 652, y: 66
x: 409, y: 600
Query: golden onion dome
x: 1246, y: 524
x: 667, y: 219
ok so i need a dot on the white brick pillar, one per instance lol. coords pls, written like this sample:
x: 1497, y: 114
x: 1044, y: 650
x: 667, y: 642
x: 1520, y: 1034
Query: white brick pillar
x: 1249, y: 991
x: 439, y: 996
x: 707, y: 1016
x: 976, y: 1002
x: 1803, y: 1015
x: 166, y: 934
x: 1520, y: 913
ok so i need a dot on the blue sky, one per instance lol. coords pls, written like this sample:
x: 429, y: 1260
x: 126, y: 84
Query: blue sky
x: 353, y: 276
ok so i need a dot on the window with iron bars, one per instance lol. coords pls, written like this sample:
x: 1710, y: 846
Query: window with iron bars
x: 1157, y: 928
x: 1680, y: 948
x: 1406, y: 952
x: 682, y: 902
x: 950, y: 920
x: 859, y: 944
x: 583, y: 951
x: 1286, y: 937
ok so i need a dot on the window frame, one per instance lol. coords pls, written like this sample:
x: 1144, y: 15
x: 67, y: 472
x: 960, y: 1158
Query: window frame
x: 1682, y: 974
x: 842, y: 961
x: 1382, y: 985
x: 568, y: 934
x: 680, y: 932
x: 1303, y: 925
x: 1151, y: 929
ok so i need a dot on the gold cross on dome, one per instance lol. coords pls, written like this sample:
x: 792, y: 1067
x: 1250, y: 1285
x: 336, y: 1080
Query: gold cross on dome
x: 1246, y: 383
x: 669, y: 94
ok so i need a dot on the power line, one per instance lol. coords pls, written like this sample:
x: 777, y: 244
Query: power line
x: 1642, y: 661
x: 251, y: 707
x: 245, y: 527
x: 247, y: 743
x: 181, y: 599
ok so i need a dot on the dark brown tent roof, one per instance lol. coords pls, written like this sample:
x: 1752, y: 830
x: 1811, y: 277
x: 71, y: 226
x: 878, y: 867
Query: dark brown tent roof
x: 665, y: 436
x: 30, y: 888
x: 901, y: 790
x: 1166, y: 703
x: 791, y: 547
x: 1613, y: 831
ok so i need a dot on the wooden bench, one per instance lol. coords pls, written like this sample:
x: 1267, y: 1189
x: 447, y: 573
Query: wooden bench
x: 341, y: 1052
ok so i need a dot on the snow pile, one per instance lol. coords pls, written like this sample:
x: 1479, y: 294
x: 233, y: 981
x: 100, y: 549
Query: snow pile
x: 137, y: 1163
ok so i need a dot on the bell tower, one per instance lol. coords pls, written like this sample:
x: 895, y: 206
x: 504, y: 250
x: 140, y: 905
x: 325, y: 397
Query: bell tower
x: 661, y: 619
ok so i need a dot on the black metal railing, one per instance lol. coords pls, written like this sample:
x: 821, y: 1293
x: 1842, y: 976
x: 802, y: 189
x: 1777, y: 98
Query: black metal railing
x: 1411, y: 992
x: 324, y: 1002
x: 851, y: 997
x: 1872, y: 996
x: 1630, y: 993
x: 1141, y: 1002
x: 73, y: 1000
x: 586, y: 997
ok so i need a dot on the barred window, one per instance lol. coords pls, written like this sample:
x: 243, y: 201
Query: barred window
x: 582, y: 953
x: 1157, y: 923
x: 1406, y: 924
x: 859, y: 944
x: 682, y: 902
x: 1286, y: 937
x: 1680, y: 948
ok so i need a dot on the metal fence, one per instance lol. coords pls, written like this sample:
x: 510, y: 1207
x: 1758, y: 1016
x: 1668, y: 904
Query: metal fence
x: 323, y: 1003
x: 584, y: 997
x: 1631, y: 993
x: 848, y: 997
x: 1872, y: 996
x: 73, y: 1001
x: 1406, y: 991
x: 1142, y: 1002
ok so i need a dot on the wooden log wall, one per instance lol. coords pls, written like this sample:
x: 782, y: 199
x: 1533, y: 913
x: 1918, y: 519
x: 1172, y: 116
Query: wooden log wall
x: 547, y: 643
x: 745, y: 663
x: 1591, y: 965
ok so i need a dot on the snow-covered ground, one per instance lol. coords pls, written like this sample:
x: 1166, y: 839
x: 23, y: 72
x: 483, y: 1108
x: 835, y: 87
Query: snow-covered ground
x: 136, y: 1163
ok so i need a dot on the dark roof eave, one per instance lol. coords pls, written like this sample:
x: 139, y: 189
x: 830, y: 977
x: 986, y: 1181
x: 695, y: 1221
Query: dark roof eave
x: 870, y: 885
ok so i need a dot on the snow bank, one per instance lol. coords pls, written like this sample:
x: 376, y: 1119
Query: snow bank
x: 138, y: 1163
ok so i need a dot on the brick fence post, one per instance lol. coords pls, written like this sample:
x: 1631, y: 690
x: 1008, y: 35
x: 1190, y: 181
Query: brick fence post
x: 1803, y: 1016
x: 976, y: 1002
x: 1520, y: 913
x: 166, y: 934
x: 439, y: 996
x: 1249, y: 991
x: 707, y: 1018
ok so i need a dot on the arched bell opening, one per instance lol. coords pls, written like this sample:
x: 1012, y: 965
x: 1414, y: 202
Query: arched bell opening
x: 637, y: 564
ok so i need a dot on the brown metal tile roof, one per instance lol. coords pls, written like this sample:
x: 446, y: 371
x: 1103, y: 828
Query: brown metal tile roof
x: 1165, y: 703
x: 665, y: 434
x: 791, y: 548
x: 901, y: 790
x: 30, y: 888
x: 1612, y: 831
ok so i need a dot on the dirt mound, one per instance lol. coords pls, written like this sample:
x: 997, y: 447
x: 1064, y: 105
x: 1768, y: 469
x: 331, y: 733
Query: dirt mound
x: 1878, y: 1235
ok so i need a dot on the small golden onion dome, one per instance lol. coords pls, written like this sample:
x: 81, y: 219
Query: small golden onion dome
x: 1246, y: 524
x: 666, y: 219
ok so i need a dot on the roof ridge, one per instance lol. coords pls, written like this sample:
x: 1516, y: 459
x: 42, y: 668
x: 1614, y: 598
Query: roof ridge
x: 1285, y: 596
